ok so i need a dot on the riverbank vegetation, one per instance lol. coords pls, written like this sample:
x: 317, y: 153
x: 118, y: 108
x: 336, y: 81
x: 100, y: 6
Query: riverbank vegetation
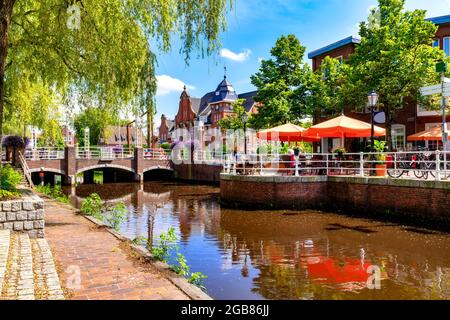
x: 167, y: 250
x: 112, y: 215
x: 55, y: 192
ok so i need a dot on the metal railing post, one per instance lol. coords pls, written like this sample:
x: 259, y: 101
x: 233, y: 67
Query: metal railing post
x: 438, y: 165
x: 327, y: 163
x: 361, y: 164
x: 296, y: 167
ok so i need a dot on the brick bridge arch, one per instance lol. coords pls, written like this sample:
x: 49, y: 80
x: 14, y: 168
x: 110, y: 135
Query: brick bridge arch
x: 70, y: 165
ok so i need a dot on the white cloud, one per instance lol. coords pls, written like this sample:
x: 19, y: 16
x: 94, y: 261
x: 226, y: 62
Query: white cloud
x: 238, y: 57
x: 168, y: 85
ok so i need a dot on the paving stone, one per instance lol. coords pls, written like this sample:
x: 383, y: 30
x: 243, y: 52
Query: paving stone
x: 18, y: 226
x: 2, y: 216
x: 16, y: 206
x: 6, y: 206
x: 28, y: 225
x: 39, y: 224
x: 11, y: 216
x: 21, y: 215
x: 28, y: 205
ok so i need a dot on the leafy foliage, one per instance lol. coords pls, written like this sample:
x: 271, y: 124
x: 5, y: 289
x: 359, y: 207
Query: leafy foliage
x: 53, y: 192
x: 395, y: 58
x: 100, y: 58
x: 92, y: 206
x: 234, y: 121
x: 8, y: 195
x: 281, y: 84
x: 163, y: 250
x: 9, y: 178
x: 115, y: 216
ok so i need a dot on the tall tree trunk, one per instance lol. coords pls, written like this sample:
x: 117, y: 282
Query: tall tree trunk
x: 150, y: 128
x: 5, y: 20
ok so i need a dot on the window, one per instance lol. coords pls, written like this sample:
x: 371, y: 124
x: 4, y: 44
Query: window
x: 340, y: 59
x: 447, y: 46
x: 398, y: 137
x: 436, y: 43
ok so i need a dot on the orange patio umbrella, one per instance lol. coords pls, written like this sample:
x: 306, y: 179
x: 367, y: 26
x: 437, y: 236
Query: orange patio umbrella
x: 343, y: 127
x: 286, y: 133
x: 434, y: 134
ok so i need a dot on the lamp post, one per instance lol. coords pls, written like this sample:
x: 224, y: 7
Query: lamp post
x: 244, y: 119
x: 373, y: 100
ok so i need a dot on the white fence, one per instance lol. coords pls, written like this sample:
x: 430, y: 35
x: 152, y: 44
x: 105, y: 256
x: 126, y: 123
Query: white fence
x: 415, y: 165
x: 44, y: 154
x: 104, y: 153
x: 156, y: 154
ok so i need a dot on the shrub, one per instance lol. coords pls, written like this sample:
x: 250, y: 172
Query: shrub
x: 114, y: 216
x: 9, y: 178
x: 53, y: 192
x: 92, y: 206
x: 8, y: 195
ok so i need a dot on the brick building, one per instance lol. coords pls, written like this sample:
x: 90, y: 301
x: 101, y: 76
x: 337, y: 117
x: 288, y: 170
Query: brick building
x: 165, y: 129
x: 212, y: 107
x: 412, y: 118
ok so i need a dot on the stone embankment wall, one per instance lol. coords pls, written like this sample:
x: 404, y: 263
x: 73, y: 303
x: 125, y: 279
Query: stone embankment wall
x: 198, y: 172
x: 24, y: 215
x: 427, y: 201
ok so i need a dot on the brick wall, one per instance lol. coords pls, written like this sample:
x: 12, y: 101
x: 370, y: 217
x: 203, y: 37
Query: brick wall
x: 424, y: 200
x: 24, y: 215
x: 198, y: 172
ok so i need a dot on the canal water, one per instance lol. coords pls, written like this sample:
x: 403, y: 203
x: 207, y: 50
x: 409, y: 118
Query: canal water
x: 285, y: 254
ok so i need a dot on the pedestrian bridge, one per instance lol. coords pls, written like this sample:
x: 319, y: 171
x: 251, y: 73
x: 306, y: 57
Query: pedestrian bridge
x: 71, y: 161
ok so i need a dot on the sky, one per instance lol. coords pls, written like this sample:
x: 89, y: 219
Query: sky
x: 253, y: 28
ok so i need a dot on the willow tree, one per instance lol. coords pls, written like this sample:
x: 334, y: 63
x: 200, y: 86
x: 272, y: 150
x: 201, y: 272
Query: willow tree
x: 102, y: 50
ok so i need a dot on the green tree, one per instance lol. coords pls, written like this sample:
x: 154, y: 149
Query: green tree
x: 395, y: 58
x: 96, y: 120
x: 327, y: 87
x: 234, y: 121
x: 281, y: 84
x: 101, y: 52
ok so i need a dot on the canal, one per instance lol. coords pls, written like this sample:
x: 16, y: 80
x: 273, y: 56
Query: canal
x: 284, y: 254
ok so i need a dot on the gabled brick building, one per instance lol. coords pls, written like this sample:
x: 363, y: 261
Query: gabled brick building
x: 212, y: 107
x: 412, y: 118
x: 165, y: 129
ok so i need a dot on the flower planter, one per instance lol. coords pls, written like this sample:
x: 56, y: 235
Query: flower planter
x: 381, y: 170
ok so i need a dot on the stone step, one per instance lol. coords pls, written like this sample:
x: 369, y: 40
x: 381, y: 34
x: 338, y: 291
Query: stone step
x: 5, y: 238
x: 19, y: 279
x: 47, y: 286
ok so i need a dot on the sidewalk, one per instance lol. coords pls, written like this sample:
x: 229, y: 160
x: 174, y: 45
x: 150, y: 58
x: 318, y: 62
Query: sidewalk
x: 107, y: 270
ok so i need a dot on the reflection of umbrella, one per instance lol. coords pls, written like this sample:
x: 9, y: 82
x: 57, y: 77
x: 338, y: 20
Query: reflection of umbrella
x: 328, y: 270
x: 343, y: 127
x: 287, y: 133
x: 434, y: 134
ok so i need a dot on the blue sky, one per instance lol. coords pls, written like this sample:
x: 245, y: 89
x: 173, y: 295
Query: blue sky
x: 253, y: 28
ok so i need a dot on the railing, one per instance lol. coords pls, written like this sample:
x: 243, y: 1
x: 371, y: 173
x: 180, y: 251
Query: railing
x: 426, y: 165
x: 25, y: 169
x: 104, y: 153
x: 156, y: 154
x: 44, y: 154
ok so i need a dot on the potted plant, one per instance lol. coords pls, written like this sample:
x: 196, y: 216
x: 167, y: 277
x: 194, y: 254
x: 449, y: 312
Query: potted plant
x: 380, y: 158
x: 340, y: 152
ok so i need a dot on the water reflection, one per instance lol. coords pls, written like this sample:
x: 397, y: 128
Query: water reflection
x: 283, y: 254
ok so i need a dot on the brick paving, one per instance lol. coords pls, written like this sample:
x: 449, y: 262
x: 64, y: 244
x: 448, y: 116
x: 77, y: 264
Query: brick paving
x: 4, y: 251
x: 106, y: 268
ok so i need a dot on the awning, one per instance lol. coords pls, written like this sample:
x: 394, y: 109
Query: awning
x: 286, y: 133
x: 434, y: 134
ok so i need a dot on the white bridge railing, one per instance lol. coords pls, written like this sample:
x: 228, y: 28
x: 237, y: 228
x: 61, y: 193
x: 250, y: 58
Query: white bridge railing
x: 104, y: 153
x: 156, y: 154
x: 425, y: 165
x: 47, y: 153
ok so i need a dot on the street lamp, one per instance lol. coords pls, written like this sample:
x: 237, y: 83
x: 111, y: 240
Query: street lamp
x: 244, y: 119
x: 373, y: 100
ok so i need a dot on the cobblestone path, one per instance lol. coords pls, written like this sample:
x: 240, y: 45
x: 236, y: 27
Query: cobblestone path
x: 22, y: 265
x: 95, y: 265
